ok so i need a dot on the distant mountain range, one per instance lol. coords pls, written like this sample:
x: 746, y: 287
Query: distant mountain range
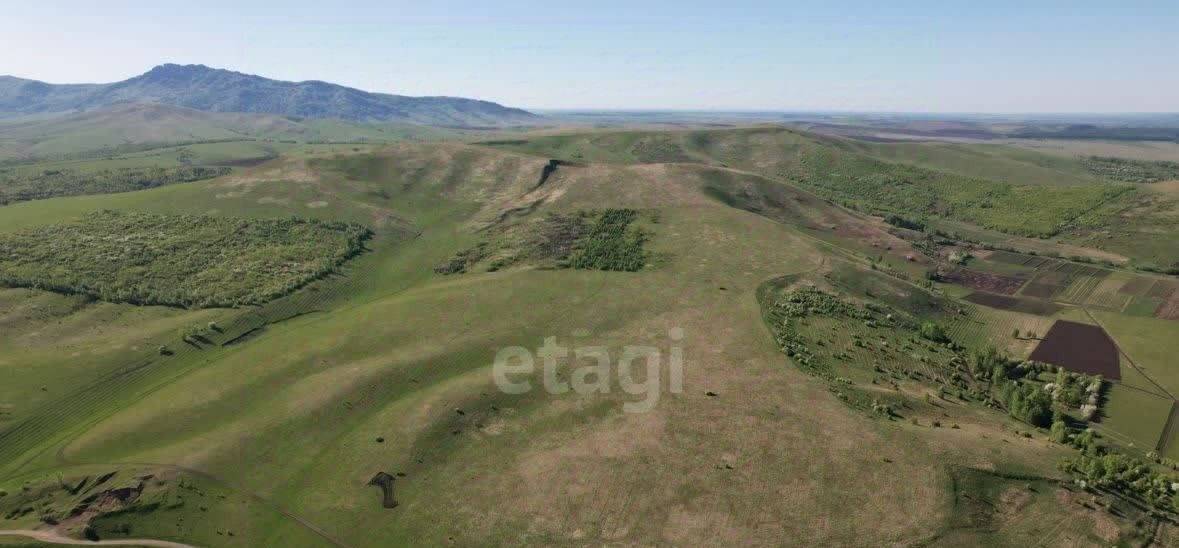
x: 216, y: 90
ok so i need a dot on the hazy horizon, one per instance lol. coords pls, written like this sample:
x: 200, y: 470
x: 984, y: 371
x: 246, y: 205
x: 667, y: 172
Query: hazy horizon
x: 857, y: 57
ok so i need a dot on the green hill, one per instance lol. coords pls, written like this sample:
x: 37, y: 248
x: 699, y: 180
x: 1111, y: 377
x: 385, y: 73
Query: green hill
x: 822, y: 369
x: 139, y: 125
x: 217, y: 90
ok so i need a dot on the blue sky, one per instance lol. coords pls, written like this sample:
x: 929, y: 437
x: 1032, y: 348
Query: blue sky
x: 916, y: 56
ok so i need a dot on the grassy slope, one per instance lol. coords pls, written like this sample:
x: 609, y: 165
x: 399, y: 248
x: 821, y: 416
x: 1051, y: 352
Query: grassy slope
x: 773, y: 152
x: 957, y: 195
x: 155, y: 123
x: 995, y: 162
x: 397, y: 348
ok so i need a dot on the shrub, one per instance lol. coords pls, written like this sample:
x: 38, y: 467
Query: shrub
x: 611, y: 244
x: 934, y: 332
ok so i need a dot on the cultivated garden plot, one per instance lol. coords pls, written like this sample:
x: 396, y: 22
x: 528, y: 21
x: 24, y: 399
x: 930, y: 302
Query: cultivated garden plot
x: 1079, y: 348
x: 1016, y: 304
x: 984, y: 281
x: 1108, y: 294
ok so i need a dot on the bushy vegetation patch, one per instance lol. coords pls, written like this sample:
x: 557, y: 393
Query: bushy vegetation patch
x: 19, y: 186
x: 1126, y: 476
x: 831, y: 337
x: 586, y: 239
x: 177, y: 260
x: 800, y: 320
x: 1132, y: 171
x: 899, y: 221
x: 911, y: 192
x: 611, y: 244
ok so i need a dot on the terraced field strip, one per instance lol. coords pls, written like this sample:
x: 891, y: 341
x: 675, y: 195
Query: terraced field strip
x: 1108, y: 294
x: 1137, y: 285
x: 984, y: 326
x: 1162, y: 289
x: 1079, y: 290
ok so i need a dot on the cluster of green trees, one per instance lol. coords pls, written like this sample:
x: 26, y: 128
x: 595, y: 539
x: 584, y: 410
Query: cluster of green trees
x: 1127, y: 476
x: 1132, y: 171
x: 1078, y: 391
x: 1027, y: 402
x: 611, y: 244
x: 899, y: 221
x: 1032, y: 402
x: 21, y: 185
x: 177, y: 260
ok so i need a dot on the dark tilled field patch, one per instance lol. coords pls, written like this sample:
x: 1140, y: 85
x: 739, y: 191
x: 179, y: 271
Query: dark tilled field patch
x: 1136, y: 286
x: 1009, y: 257
x: 1079, y: 348
x: 984, y: 281
x: 1162, y: 289
x: 1041, y: 290
x: 1014, y: 304
x: 1053, y: 278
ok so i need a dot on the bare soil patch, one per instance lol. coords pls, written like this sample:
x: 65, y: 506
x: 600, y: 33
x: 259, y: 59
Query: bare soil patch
x: 1015, y: 304
x: 1080, y: 348
x: 1162, y: 289
x: 1136, y: 286
x: 1006, y: 257
x: 1169, y: 309
x: 384, y: 480
x: 1041, y: 290
x: 1056, y: 277
x: 983, y: 281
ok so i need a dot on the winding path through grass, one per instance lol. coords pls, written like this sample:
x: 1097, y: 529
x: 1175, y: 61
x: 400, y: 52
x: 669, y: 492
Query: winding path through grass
x: 53, y: 537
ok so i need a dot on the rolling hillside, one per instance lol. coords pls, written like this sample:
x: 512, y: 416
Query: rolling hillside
x: 267, y: 424
x: 155, y: 123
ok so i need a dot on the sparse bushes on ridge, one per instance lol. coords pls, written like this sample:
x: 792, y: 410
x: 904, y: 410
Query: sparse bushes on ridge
x: 177, y: 260
x: 590, y: 240
x: 1131, y: 171
x: 17, y: 186
x: 898, y: 221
